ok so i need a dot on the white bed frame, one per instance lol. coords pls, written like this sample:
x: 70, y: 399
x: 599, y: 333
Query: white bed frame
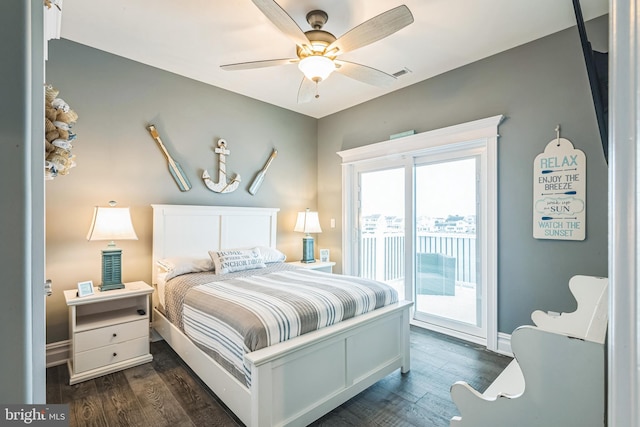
x: 297, y: 381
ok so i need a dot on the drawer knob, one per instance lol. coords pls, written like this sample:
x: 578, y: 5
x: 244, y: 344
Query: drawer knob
x: 115, y: 335
x: 115, y: 354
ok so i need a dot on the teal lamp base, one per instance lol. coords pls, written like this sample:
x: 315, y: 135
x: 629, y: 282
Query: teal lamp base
x: 307, y: 250
x: 111, y: 269
x: 111, y: 287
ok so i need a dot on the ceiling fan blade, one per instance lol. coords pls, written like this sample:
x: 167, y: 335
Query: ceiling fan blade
x: 364, y: 74
x: 373, y: 30
x: 283, y: 21
x: 307, y: 91
x: 258, y: 64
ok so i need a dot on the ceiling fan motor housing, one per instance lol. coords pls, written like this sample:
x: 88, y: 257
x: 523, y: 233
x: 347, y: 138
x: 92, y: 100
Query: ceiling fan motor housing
x: 317, y: 19
x: 319, y: 41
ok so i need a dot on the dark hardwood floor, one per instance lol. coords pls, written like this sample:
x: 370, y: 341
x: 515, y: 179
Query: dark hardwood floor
x: 165, y: 392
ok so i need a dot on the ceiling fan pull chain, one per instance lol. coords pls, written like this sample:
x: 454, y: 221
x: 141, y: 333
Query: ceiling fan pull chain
x: 317, y: 92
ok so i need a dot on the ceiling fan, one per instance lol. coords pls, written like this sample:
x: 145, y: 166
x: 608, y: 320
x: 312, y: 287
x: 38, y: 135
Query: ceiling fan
x: 318, y: 50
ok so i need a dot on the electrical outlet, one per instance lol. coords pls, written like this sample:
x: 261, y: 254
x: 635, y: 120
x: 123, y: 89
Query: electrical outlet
x: 333, y: 223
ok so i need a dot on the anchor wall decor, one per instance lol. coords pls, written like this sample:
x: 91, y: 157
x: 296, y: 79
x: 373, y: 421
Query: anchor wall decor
x: 222, y: 186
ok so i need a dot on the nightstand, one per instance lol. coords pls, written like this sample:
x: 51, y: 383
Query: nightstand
x: 109, y: 331
x: 326, y: 266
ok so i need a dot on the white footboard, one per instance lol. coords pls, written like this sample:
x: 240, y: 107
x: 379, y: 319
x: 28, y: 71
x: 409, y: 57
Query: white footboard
x: 297, y: 381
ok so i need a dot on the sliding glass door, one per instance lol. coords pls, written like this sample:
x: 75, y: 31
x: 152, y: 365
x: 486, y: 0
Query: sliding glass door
x: 420, y: 213
x: 447, y: 290
x: 427, y: 210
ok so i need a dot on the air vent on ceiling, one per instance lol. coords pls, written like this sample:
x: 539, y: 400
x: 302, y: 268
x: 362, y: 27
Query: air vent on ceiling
x: 402, y: 72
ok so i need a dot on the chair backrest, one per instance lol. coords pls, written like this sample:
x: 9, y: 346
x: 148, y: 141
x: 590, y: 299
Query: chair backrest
x: 590, y: 319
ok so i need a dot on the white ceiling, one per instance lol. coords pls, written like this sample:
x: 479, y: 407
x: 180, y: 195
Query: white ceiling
x: 194, y: 37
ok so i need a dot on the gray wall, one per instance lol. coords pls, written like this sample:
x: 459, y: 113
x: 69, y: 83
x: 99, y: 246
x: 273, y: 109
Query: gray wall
x: 117, y: 160
x: 537, y: 86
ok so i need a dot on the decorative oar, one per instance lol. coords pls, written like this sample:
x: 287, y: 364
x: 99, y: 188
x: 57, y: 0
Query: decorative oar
x: 174, y: 167
x: 257, y: 181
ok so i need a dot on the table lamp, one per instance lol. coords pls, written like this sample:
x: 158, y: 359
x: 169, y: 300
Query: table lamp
x: 308, y: 222
x: 111, y: 223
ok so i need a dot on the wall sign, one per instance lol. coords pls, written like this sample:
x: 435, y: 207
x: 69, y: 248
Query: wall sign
x: 559, y: 192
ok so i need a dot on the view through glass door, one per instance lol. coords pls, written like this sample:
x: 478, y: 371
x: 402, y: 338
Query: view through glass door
x: 448, y: 291
x: 382, y: 239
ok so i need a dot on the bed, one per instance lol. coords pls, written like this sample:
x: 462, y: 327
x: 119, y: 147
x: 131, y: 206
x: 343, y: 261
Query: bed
x: 295, y: 381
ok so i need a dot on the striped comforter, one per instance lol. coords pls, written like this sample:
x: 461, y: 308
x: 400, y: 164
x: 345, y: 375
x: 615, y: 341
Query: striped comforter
x: 243, y: 313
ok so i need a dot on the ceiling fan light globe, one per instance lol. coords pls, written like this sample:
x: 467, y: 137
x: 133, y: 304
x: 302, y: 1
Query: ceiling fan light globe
x: 316, y: 68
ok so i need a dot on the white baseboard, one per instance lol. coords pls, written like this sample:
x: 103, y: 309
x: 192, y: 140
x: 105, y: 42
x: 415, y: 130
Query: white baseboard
x: 504, y: 344
x: 58, y: 353
x: 451, y: 332
x: 504, y: 339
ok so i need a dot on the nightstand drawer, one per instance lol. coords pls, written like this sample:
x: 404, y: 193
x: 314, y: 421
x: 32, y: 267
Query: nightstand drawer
x: 110, y: 354
x: 101, y: 337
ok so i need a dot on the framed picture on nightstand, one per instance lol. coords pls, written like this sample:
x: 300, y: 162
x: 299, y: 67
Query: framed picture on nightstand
x: 324, y: 255
x: 85, y: 288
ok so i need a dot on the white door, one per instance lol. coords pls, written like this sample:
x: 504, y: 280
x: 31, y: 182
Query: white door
x: 22, y: 305
x: 624, y: 224
x: 37, y: 207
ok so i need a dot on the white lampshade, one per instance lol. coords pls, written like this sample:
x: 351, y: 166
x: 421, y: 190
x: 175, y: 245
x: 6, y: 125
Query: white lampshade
x: 110, y: 223
x: 316, y: 67
x: 308, y: 222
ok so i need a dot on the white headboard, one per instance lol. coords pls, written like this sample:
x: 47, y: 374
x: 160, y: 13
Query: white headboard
x: 183, y: 230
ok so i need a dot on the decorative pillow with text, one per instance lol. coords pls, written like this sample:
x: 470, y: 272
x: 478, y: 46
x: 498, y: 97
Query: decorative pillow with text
x: 236, y: 260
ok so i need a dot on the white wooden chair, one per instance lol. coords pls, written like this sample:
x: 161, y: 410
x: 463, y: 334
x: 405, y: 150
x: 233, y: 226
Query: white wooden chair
x: 557, y: 375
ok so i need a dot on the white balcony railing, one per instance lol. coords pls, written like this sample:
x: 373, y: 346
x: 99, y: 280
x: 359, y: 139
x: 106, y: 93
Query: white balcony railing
x: 383, y: 255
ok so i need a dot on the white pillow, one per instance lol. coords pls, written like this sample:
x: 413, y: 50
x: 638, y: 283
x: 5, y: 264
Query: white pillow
x: 232, y: 260
x: 176, y: 266
x: 271, y: 254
